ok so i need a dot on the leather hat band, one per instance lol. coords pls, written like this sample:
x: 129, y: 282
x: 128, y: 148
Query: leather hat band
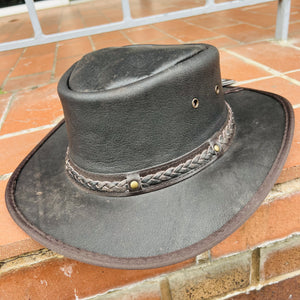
x: 159, y: 176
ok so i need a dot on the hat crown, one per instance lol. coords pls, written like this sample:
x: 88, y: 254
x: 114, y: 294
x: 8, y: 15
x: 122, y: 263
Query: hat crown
x: 135, y: 107
x: 112, y: 68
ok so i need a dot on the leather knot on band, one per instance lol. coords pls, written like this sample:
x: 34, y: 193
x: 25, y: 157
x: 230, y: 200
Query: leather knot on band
x: 159, y: 176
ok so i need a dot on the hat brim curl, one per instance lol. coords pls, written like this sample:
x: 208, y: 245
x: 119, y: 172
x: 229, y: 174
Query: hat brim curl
x: 161, y: 227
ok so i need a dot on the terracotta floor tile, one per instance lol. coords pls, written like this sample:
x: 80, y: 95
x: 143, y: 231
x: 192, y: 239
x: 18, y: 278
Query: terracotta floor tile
x: 113, y: 16
x: 264, y: 8
x: 39, y: 50
x: 142, y: 12
x: 74, y: 47
x: 10, y: 231
x: 191, y: 33
x: 34, y: 64
x: 143, y: 34
x: 49, y: 21
x: 294, y: 29
x: 8, y: 61
x: 14, y: 149
x: 111, y: 43
x: 33, y: 108
x: 234, y: 68
x: 166, y: 41
x: 279, y: 86
x: 174, y: 24
x: 221, y: 42
x: 64, y: 64
x: 287, y: 58
x: 246, y: 33
x: 10, y: 52
x: 95, y: 20
x: 15, y: 27
x: 50, y: 28
x: 212, y: 21
x: 72, y: 24
x: 27, y: 81
x: 250, y: 17
x: 107, y: 36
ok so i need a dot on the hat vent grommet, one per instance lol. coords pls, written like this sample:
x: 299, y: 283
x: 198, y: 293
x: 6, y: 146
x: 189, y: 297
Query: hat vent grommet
x: 217, y: 90
x: 195, y: 102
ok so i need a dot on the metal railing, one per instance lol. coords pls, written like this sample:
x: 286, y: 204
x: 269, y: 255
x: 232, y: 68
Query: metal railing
x: 282, y: 23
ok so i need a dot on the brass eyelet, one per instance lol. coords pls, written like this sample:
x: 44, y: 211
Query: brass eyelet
x: 217, y: 90
x: 195, y: 103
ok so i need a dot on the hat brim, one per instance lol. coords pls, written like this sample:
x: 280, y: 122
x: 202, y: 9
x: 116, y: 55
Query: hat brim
x: 161, y: 227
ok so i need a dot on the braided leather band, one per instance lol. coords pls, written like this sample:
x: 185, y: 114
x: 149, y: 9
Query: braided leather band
x: 200, y: 158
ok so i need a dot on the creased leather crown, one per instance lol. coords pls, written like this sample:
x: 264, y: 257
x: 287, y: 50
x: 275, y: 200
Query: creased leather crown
x: 131, y: 108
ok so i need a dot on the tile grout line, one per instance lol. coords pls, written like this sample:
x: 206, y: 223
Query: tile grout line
x: 89, y: 36
x: 296, y: 106
x: 92, y: 42
x: 264, y: 67
x: 5, y: 176
x: 126, y: 37
x: 293, y: 71
x: 11, y: 70
x: 7, y: 108
x: 52, y: 77
x: 166, y: 33
x: 254, y: 80
x: 21, y: 132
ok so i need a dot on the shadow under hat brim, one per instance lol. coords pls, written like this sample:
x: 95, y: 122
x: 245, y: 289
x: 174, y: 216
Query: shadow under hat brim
x: 161, y: 227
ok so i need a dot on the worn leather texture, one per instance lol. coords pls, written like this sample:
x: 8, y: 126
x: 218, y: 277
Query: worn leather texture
x: 151, y: 120
x: 164, y: 226
x: 171, y: 224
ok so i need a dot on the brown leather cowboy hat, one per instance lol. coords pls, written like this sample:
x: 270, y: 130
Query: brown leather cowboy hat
x: 155, y: 162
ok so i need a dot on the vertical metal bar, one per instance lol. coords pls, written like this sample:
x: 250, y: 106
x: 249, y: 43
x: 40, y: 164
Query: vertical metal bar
x: 282, y: 21
x: 34, y: 18
x: 126, y: 10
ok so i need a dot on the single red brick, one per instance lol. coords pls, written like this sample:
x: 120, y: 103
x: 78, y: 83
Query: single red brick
x: 288, y: 174
x: 280, y: 258
x: 23, y: 246
x: 271, y: 221
x: 287, y: 289
x: 68, y: 279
